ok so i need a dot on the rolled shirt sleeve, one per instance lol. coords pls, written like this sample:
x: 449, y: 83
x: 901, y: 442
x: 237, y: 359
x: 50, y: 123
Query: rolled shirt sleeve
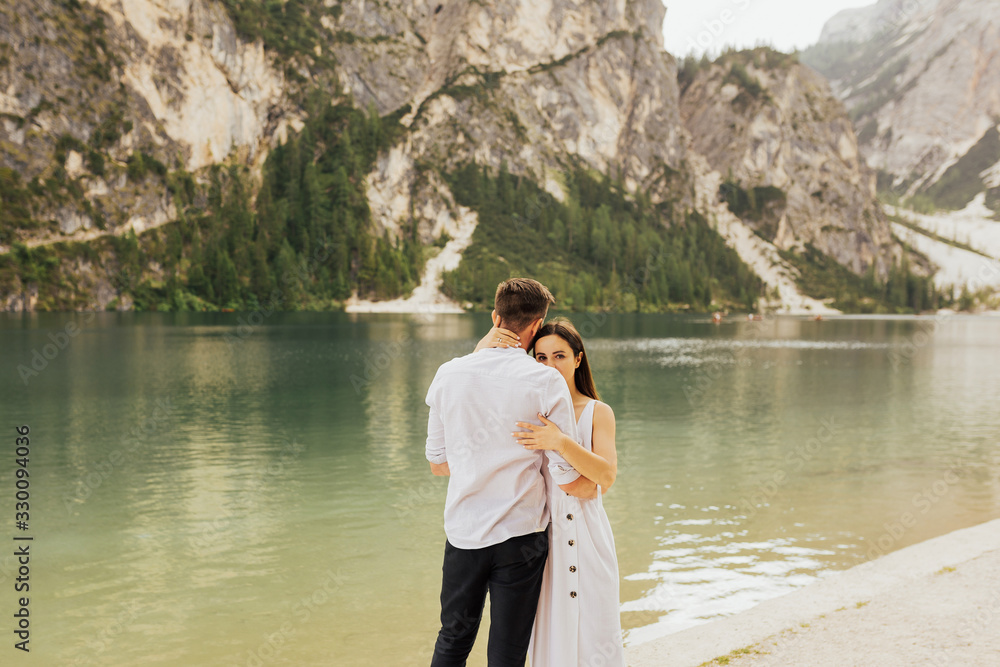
x: 561, y: 413
x: 435, y: 450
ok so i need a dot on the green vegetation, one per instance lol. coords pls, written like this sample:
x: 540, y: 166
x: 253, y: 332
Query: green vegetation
x: 598, y: 250
x: 902, y: 291
x: 749, y: 84
x: 307, y: 242
x: 53, y: 187
x: 735, y: 64
x: 616, y: 34
x: 993, y: 201
x: 15, y: 205
x: 481, y: 90
x: 921, y: 203
x: 689, y: 68
x: 287, y: 27
x: 141, y: 163
x: 310, y: 241
x: 961, y: 182
x: 763, y: 57
x: 762, y: 205
x: 45, y: 266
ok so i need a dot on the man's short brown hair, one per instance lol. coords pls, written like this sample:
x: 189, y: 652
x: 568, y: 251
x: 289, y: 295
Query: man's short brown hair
x: 521, y: 301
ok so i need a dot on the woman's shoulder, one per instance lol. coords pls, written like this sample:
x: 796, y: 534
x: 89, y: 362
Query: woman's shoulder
x: 603, y: 411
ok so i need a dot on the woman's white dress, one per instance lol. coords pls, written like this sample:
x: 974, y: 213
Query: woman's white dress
x: 578, y: 622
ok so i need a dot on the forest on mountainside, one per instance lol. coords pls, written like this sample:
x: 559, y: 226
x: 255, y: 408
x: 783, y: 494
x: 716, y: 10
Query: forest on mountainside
x: 599, y: 249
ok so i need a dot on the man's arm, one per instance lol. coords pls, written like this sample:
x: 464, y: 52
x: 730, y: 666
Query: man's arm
x: 440, y: 469
x: 435, y: 450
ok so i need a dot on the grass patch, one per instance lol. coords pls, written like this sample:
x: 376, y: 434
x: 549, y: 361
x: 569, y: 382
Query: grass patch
x: 726, y: 659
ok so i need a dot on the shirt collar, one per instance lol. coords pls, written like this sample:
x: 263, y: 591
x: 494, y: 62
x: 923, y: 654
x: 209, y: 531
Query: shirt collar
x: 509, y: 349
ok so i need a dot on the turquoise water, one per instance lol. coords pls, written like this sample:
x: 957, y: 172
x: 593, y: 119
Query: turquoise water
x: 222, y: 490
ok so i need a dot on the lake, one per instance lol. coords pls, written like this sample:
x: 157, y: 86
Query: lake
x: 226, y: 489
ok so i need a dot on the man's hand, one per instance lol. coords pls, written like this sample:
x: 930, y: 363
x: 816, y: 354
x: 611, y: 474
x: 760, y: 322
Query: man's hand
x: 441, y: 469
x: 581, y: 488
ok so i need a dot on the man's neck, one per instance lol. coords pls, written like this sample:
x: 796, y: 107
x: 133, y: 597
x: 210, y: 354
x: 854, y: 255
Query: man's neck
x: 524, y: 336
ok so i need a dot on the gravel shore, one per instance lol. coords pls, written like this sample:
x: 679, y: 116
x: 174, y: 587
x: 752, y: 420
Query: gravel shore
x: 934, y: 603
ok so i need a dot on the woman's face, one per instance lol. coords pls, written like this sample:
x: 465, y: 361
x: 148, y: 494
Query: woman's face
x: 554, y: 351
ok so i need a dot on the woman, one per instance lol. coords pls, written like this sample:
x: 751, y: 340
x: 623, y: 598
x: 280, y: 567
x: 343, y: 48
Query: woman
x: 577, y: 622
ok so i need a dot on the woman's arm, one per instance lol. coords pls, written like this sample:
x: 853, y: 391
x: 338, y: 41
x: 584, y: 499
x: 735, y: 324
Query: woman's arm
x: 604, y: 440
x: 497, y: 337
x: 600, y: 466
x: 581, y: 488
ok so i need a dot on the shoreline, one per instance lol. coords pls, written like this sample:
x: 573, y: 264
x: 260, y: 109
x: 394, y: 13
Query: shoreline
x: 910, y: 607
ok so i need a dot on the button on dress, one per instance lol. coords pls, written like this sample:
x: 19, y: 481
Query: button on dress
x: 578, y: 609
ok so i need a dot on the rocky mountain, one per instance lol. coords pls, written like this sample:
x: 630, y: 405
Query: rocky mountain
x: 90, y: 90
x: 790, y: 157
x: 533, y: 86
x: 222, y: 134
x: 922, y: 82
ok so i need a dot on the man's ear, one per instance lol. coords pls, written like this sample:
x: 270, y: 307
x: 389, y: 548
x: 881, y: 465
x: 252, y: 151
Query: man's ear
x: 535, y: 326
x: 496, y: 318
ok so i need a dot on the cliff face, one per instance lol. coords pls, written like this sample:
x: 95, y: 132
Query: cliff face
x: 922, y: 83
x: 788, y: 156
x: 100, y: 101
x: 531, y: 85
x: 208, y: 91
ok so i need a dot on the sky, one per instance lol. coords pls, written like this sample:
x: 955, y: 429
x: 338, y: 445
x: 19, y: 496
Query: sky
x: 696, y: 26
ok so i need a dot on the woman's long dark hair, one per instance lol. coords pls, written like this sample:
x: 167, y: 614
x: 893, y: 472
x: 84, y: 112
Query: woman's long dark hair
x: 582, y: 376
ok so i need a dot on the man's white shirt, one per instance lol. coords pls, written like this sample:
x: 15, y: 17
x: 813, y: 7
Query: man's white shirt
x: 496, y: 490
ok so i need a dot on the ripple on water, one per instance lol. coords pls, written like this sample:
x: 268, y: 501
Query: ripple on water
x: 692, y: 352
x: 700, y: 577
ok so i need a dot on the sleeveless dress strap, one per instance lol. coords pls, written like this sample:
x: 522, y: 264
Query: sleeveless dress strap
x: 585, y: 425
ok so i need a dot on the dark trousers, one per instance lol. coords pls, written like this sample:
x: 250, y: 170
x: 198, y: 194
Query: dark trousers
x: 512, y: 573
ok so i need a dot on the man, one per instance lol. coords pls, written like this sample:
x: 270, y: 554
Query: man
x: 495, y: 514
